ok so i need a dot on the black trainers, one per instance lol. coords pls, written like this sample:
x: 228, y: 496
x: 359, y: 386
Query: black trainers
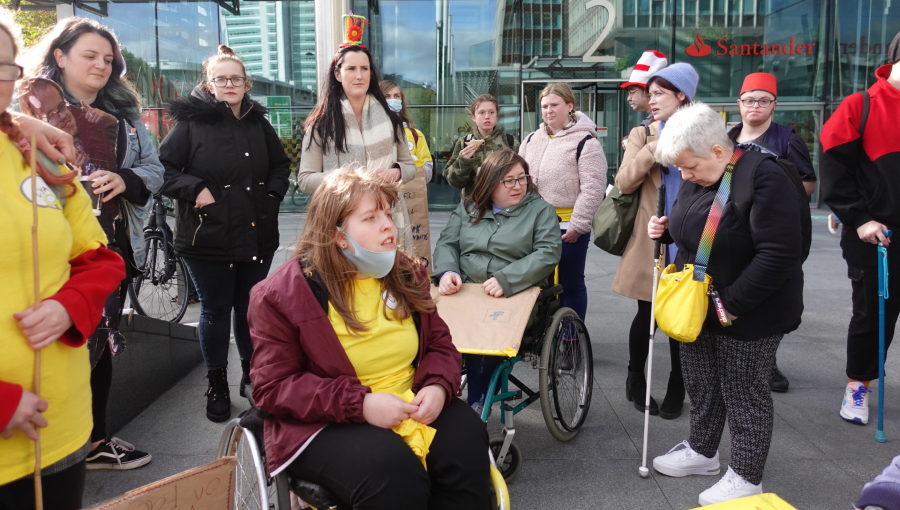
x: 245, y: 378
x: 117, y: 454
x: 778, y: 382
x: 218, y: 396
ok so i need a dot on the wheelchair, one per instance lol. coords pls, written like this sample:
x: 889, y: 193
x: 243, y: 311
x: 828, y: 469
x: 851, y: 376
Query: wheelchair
x: 558, y: 345
x: 256, y: 489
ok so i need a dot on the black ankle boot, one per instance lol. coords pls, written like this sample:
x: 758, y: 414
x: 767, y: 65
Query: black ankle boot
x: 674, y: 401
x: 218, y: 397
x: 636, y: 392
x: 245, y: 377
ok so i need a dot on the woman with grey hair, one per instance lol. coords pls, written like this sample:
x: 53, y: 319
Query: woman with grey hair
x: 755, y: 268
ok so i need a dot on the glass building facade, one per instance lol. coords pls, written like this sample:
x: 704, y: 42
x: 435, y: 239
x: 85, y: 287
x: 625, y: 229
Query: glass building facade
x: 446, y: 52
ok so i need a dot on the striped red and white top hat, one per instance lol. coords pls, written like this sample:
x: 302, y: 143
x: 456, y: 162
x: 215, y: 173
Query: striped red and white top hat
x: 651, y: 62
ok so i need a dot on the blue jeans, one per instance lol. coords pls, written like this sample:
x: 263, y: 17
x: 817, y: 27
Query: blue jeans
x: 571, y: 274
x: 224, y: 290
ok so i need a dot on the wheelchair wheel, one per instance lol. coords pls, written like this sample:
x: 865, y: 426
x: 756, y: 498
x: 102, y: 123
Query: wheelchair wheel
x: 513, y: 461
x: 253, y: 488
x: 566, y: 374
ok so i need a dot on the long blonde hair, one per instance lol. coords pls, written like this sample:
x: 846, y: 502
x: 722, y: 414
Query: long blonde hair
x: 335, y: 199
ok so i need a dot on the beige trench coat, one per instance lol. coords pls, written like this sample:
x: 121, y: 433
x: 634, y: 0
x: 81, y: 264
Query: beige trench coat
x: 639, y: 171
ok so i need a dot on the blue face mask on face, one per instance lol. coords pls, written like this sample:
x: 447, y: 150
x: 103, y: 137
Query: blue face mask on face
x: 395, y: 105
x: 375, y: 264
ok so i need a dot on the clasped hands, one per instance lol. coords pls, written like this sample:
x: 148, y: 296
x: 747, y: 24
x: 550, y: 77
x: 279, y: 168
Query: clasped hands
x: 387, y: 410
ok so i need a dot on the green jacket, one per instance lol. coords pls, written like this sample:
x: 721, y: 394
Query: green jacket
x: 520, y: 245
x: 460, y: 172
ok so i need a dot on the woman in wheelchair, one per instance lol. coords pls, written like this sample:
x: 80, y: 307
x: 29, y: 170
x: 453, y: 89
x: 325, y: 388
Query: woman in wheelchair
x: 356, y: 367
x: 504, y: 237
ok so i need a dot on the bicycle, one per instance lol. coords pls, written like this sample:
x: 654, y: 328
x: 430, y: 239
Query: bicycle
x: 162, y: 287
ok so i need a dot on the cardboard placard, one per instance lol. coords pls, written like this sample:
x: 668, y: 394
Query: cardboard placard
x: 482, y: 324
x: 415, y: 195
x: 207, y: 487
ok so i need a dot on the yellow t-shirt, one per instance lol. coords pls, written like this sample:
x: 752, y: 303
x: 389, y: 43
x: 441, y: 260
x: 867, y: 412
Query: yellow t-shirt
x: 383, y: 356
x: 419, y: 151
x: 65, y: 383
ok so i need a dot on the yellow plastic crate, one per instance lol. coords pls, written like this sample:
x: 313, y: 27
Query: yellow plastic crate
x: 767, y: 501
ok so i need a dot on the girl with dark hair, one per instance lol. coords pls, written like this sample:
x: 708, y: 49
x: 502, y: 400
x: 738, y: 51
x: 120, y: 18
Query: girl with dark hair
x: 356, y: 367
x: 353, y: 125
x: 227, y: 169
x: 85, y: 59
x: 640, y: 172
x: 471, y: 150
x: 504, y: 237
x: 76, y: 273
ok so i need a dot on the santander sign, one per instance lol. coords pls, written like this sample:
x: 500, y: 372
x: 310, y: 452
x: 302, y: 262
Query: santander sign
x: 701, y: 49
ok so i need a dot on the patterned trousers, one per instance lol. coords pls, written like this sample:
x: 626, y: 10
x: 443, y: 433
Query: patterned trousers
x: 728, y: 379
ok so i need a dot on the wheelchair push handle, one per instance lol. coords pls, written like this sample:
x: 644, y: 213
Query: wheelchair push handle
x: 660, y: 211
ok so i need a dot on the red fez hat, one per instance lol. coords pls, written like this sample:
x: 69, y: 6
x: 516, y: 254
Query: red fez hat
x: 759, y: 81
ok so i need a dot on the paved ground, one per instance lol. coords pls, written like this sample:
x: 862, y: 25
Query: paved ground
x: 817, y: 461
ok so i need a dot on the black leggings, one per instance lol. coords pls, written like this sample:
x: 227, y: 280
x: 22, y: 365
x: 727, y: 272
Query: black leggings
x: 638, y: 342
x: 368, y: 467
x: 62, y: 491
x: 101, y: 381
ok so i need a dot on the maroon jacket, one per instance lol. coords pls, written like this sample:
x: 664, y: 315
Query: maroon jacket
x: 300, y: 372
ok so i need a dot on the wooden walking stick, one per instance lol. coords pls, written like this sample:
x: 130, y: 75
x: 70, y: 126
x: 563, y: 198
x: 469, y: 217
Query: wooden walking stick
x: 38, y: 490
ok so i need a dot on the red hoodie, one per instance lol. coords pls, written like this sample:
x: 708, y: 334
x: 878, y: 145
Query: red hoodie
x: 861, y: 177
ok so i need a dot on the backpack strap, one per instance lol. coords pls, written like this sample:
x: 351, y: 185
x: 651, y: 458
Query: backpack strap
x: 510, y: 141
x: 647, y: 130
x: 581, y: 147
x: 865, y: 113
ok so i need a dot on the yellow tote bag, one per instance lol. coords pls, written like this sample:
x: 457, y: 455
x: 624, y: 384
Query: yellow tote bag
x: 681, y: 303
x: 681, y: 298
x: 767, y: 501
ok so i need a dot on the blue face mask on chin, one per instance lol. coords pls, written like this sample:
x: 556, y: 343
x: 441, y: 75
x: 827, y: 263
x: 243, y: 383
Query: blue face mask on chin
x: 375, y: 264
x: 395, y: 105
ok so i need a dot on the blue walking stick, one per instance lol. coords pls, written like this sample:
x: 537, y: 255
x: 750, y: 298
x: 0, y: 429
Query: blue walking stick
x: 882, y: 295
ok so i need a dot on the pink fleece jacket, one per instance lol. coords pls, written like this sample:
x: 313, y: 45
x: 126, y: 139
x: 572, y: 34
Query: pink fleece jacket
x: 561, y: 181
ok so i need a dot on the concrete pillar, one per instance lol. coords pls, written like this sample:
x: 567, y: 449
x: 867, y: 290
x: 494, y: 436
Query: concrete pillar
x: 329, y: 33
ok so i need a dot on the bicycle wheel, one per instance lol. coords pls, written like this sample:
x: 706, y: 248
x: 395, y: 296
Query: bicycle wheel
x: 566, y: 374
x: 162, y: 287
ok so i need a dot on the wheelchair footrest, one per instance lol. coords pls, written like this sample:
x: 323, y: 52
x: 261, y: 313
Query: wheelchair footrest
x: 314, y: 494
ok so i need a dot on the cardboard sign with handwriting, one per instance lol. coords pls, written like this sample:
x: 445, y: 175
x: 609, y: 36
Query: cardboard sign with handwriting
x: 416, y: 196
x: 208, y: 487
x: 482, y: 324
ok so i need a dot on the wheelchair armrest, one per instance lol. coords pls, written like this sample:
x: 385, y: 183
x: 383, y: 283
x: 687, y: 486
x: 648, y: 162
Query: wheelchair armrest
x: 550, y: 292
x: 314, y: 494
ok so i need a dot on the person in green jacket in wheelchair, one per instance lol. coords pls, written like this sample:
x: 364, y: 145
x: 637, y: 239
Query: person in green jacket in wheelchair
x: 505, y: 237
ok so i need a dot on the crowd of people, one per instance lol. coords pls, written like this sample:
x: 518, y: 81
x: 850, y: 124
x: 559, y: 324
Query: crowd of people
x: 348, y: 360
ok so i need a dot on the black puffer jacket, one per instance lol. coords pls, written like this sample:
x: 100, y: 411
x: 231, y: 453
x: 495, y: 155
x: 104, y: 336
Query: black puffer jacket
x: 241, y: 162
x: 756, y: 268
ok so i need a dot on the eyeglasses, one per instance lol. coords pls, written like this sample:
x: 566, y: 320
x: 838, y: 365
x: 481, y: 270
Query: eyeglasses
x: 763, y: 103
x: 521, y: 181
x: 237, y: 81
x: 10, y: 72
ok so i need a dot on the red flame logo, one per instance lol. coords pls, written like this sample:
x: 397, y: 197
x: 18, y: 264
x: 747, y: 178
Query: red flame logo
x: 699, y: 48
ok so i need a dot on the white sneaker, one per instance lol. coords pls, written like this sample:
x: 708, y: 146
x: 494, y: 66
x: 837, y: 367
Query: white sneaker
x: 731, y: 486
x: 685, y: 461
x: 855, y: 407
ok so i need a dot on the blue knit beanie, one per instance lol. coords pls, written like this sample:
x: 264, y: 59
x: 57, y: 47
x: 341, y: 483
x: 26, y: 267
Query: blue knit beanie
x: 682, y: 76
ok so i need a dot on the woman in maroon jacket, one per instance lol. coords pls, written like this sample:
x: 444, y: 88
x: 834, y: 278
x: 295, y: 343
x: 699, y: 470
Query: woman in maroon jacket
x: 356, y: 367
